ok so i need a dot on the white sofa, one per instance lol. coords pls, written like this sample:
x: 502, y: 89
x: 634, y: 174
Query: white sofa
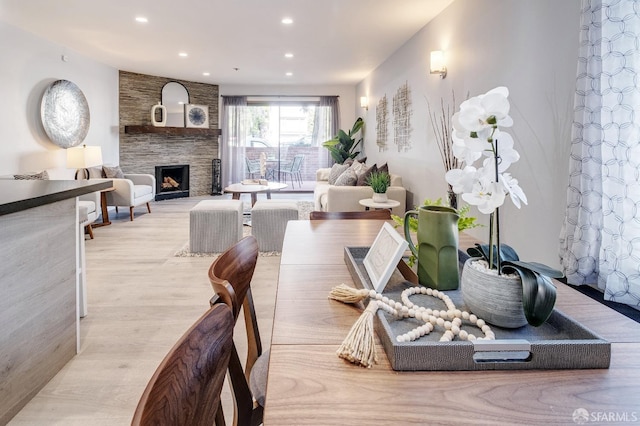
x: 332, y: 198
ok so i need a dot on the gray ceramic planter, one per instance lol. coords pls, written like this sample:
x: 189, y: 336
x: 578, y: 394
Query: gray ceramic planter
x: 495, y: 299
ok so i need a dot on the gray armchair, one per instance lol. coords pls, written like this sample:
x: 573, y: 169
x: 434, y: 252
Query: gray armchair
x: 132, y: 191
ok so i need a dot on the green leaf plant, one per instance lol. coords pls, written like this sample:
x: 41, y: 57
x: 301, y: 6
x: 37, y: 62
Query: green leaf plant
x: 379, y: 182
x: 465, y: 221
x: 538, y: 293
x: 343, y: 145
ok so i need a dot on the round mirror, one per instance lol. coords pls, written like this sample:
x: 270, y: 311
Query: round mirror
x: 174, y: 97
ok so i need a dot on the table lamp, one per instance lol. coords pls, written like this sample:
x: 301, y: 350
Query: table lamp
x: 81, y: 158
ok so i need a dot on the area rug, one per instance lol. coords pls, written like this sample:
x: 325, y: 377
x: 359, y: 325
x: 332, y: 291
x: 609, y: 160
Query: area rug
x: 304, y: 209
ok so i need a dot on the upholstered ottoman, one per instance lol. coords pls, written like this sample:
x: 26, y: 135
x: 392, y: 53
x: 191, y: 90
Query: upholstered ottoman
x: 215, y: 225
x: 269, y: 220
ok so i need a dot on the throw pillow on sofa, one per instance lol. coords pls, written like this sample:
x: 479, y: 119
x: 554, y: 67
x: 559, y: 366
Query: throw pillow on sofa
x: 113, y: 172
x: 96, y: 172
x: 43, y: 175
x: 358, y: 167
x: 336, y: 171
x: 348, y: 178
x: 363, y: 178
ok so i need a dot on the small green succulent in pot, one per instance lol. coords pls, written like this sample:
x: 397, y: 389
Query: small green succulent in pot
x: 379, y: 182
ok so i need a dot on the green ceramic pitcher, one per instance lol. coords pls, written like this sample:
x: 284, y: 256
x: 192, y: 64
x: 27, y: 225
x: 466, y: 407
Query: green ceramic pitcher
x: 437, y: 251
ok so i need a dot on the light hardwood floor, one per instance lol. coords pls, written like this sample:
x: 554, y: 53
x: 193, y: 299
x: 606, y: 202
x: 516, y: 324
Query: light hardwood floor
x: 141, y: 299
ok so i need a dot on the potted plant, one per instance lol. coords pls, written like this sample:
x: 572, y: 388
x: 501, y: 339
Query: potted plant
x: 379, y: 182
x: 343, y: 145
x: 496, y: 285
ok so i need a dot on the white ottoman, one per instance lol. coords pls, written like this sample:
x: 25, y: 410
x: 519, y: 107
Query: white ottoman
x: 215, y: 225
x: 269, y: 220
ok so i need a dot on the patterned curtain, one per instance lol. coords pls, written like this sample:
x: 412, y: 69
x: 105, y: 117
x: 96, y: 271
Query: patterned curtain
x: 235, y: 128
x: 600, y: 241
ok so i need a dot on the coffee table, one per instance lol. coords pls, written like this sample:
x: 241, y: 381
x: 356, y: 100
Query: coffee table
x: 236, y: 189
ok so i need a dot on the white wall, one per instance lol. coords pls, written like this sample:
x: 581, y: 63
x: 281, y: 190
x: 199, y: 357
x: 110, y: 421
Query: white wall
x: 29, y: 65
x: 530, y: 47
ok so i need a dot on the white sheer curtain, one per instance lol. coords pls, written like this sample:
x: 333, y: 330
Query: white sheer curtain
x: 326, y: 125
x: 600, y: 242
x: 235, y: 129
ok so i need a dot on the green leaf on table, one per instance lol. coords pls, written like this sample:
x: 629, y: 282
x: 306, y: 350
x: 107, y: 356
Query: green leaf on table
x: 482, y: 250
x: 538, y: 293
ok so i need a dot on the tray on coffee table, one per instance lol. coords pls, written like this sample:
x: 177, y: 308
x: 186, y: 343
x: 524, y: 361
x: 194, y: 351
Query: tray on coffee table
x: 560, y: 343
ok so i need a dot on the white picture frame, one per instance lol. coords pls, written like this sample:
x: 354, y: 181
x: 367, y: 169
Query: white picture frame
x: 196, y: 116
x: 383, y: 256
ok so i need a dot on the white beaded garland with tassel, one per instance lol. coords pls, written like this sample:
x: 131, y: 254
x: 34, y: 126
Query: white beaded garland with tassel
x: 359, y: 345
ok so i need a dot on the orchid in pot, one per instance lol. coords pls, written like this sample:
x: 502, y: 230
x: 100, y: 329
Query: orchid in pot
x: 478, y: 135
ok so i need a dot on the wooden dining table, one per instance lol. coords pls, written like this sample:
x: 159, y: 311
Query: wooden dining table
x: 308, y: 384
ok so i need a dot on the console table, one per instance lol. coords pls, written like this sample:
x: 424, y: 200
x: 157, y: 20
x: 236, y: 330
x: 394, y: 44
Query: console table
x: 309, y: 384
x: 39, y: 287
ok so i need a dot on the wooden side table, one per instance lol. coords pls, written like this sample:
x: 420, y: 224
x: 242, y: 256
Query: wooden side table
x: 368, y: 203
x: 105, y: 210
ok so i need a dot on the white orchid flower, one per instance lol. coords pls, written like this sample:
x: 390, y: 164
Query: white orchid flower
x: 507, y: 154
x: 486, y: 112
x: 473, y: 118
x: 461, y: 180
x: 495, y: 103
x: 467, y: 149
x: 486, y: 195
x: 515, y: 192
x: 476, y: 133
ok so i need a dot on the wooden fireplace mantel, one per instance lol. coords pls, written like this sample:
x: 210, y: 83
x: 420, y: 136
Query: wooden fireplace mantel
x: 171, y: 131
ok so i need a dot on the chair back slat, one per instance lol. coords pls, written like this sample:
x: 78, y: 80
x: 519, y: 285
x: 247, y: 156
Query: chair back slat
x: 230, y: 276
x: 185, y: 388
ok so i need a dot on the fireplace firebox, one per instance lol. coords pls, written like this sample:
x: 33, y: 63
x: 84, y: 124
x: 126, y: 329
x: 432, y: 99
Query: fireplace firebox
x: 172, y: 181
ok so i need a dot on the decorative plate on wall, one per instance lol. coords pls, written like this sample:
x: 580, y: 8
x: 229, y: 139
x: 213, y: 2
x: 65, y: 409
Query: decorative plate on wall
x: 65, y: 114
x: 196, y: 115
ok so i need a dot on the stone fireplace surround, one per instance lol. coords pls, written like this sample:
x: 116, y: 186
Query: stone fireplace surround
x: 141, y: 153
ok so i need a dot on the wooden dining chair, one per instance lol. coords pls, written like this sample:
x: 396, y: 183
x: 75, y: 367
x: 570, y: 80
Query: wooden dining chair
x: 230, y: 276
x: 367, y: 214
x: 185, y: 388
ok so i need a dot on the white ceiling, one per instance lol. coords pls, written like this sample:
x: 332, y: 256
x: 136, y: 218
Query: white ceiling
x: 333, y: 41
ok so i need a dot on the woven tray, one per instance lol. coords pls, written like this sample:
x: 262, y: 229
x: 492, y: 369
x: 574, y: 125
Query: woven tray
x: 560, y: 343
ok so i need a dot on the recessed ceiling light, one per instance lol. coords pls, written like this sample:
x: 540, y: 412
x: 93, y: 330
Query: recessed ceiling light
x: 141, y: 19
x: 289, y: 74
x: 206, y: 74
x: 183, y: 54
x: 288, y: 55
x: 287, y: 21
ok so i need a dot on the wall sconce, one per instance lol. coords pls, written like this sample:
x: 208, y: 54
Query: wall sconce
x: 364, y: 102
x: 437, y: 63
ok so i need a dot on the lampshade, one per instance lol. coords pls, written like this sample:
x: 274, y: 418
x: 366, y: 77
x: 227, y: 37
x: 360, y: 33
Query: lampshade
x: 437, y: 65
x: 84, y: 157
x: 364, y: 102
